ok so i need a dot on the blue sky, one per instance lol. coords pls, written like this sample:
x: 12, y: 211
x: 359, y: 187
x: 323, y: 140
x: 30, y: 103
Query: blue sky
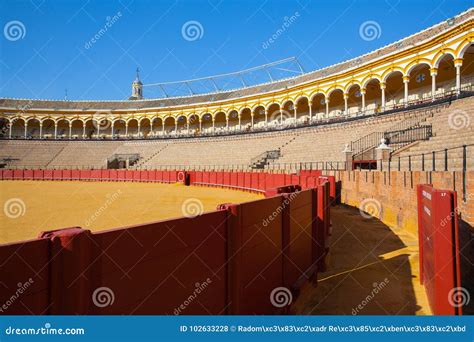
x: 52, y: 50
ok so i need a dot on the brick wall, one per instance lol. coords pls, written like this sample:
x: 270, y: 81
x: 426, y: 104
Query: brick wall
x: 395, y: 193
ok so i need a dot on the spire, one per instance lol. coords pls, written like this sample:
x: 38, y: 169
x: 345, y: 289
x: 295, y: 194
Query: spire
x: 137, y: 78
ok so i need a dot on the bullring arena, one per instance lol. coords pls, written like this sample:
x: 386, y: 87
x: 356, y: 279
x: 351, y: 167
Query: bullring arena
x: 346, y: 190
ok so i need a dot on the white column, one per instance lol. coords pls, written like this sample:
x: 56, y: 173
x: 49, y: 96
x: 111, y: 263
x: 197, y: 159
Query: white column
x: 41, y: 130
x: 112, y: 129
x: 240, y: 127
x: 26, y: 128
x: 310, y: 110
x: 295, y: 107
x: 10, y: 129
x: 251, y: 117
x: 406, y: 80
x: 383, y: 85
x: 327, y: 107
x: 70, y: 129
x: 227, y: 123
x: 98, y: 128
x: 362, y: 94
x: 434, y: 72
x: 346, y: 98
x: 458, y: 64
x: 55, y: 130
x: 266, y: 117
x: 83, y: 129
x: 200, y: 125
x: 126, y: 128
x: 138, y: 128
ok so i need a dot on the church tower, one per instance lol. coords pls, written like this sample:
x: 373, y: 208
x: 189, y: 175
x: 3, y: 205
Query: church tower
x: 137, y: 88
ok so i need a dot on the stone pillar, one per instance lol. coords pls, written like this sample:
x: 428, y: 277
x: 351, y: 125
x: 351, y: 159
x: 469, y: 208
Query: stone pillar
x: 41, y: 130
x: 70, y: 129
x: 10, y: 129
x: 112, y: 129
x: 310, y: 103
x: 406, y: 80
x: 26, y: 128
x: 382, y: 154
x: 348, y: 157
x: 83, y: 130
x: 251, y: 118
x: 346, y: 97
x: 327, y: 107
x: 55, y: 130
x: 458, y: 64
x: 434, y: 72
x: 383, y: 85
x: 362, y: 93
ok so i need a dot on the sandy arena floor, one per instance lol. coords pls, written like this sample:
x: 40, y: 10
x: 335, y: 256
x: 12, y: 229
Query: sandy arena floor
x: 30, y: 207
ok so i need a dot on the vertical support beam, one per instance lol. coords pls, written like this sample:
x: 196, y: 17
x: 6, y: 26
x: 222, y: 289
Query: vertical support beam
x: 458, y: 64
x: 55, y: 130
x: 83, y: 130
x: 126, y: 128
x: 251, y: 117
x: 406, y: 80
x: 26, y: 128
x: 10, y: 129
x: 240, y: 127
x: 326, y: 101
x: 98, y: 128
x: 310, y: 103
x: 70, y: 130
x: 266, y: 117
x: 112, y: 129
x: 434, y: 72
x: 200, y: 125
x: 41, y: 129
x: 383, y: 85
x: 296, y: 110
x: 362, y: 93
x: 346, y: 98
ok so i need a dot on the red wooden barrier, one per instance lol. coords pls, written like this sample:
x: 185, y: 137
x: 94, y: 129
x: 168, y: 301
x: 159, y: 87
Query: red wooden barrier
x: 256, y: 260
x: 439, y: 249
x: 48, y: 174
x: 18, y: 174
x: 240, y: 179
x: 181, y: 176
x: 27, y: 174
x: 8, y: 174
x: 332, y: 185
x: 76, y: 174
x: 234, y: 179
x: 121, y: 175
x: 67, y: 175
x: 212, y: 177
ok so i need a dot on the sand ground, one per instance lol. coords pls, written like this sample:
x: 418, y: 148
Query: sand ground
x: 30, y: 207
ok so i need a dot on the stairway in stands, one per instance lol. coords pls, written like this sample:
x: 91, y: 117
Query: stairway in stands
x: 416, y: 127
x: 269, y: 157
x: 149, y: 159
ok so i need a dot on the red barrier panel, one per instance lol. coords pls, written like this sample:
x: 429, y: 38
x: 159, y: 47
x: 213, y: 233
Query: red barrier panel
x: 234, y: 179
x: 295, y: 180
x: 269, y: 181
x: 254, y: 180
x: 205, y: 177
x: 279, y: 179
x: 75, y: 174
x: 220, y: 177
x: 176, y: 272
x: 95, y: 174
x: 85, y: 174
x: 18, y: 174
x: 173, y: 176
x: 57, y: 174
x: 67, y: 174
x: 136, y: 175
x: 247, y: 180
x: 8, y: 174
x: 255, y: 244
x: 439, y: 249
x: 181, y: 176
x: 128, y: 175
x: 199, y: 177
x: 159, y: 176
x: 24, y: 267
x: 298, y: 265
x: 213, y: 177
x: 261, y: 181
x: 113, y: 175
x: 121, y: 175
x: 105, y: 174
x: 240, y: 179
x: 27, y: 174
x: 332, y: 185
x: 166, y: 176
x: 48, y: 174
